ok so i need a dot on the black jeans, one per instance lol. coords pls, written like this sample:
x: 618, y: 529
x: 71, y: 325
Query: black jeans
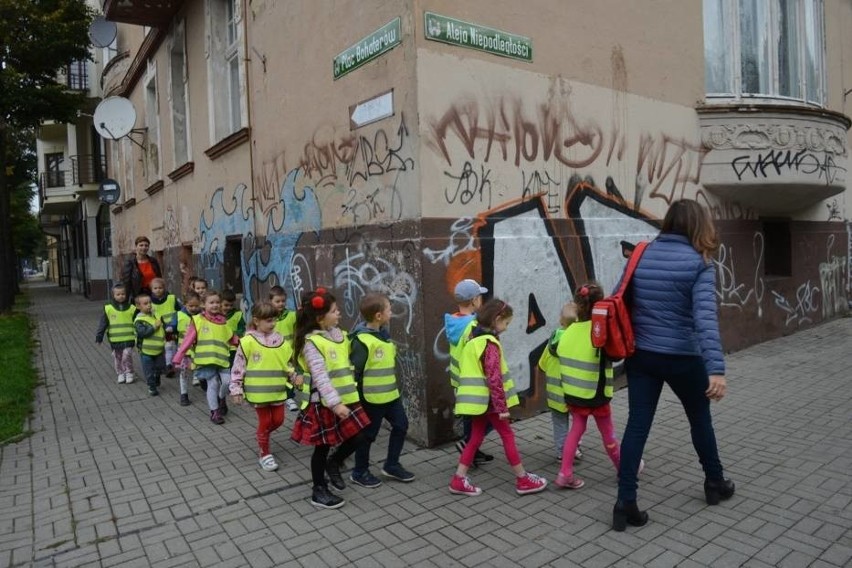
x: 688, y: 379
x: 394, y: 413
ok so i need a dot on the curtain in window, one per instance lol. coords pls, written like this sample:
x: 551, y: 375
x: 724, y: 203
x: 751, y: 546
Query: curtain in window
x: 755, y: 47
x: 789, y: 81
x: 813, y: 50
x: 718, y: 72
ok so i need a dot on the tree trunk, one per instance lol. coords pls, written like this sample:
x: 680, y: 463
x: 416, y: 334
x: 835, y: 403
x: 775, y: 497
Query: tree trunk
x: 8, y: 275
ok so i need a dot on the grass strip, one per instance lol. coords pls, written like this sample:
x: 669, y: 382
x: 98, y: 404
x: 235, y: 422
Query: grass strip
x: 18, y: 376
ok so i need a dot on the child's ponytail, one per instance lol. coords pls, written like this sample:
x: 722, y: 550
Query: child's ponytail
x: 585, y: 297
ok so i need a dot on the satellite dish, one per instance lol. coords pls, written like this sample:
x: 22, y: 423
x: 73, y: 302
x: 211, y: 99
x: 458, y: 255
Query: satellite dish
x: 114, y: 118
x: 102, y: 32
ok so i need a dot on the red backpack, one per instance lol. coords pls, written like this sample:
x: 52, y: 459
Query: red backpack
x: 611, y: 327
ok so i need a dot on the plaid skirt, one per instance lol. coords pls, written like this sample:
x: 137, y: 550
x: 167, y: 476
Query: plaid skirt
x: 317, y: 425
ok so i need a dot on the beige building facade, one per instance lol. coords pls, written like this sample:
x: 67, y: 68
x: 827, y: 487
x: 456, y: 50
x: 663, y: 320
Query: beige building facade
x: 402, y: 146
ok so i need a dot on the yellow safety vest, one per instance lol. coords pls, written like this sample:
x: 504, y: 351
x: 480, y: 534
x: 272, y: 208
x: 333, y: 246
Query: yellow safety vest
x: 286, y: 326
x: 379, y: 381
x: 120, y: 322
x: 152, y: 345
x: 165, y: 311
x: 338, y: 366
x: 580, y: 364
x: 302, y: 395
x: 211, y: 343
x: 549, y: 364
x: 183, y: 320
x: 472, y: 396
x: 267, y: 371
x: 233, y: 322
x: 456, y: 351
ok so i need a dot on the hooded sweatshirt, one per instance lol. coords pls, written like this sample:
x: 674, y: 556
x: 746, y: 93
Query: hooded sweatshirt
x: 455, y: 324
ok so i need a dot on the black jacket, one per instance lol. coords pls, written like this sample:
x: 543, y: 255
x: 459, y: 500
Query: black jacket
x: 131, y: 276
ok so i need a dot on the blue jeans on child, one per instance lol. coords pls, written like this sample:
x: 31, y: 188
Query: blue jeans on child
x: 394, y: 413
x: 218, y: 382
x: 687, y: 377
x: 153, y: 366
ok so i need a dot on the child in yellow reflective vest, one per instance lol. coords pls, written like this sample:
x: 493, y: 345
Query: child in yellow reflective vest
x: 486, y: 392
x: 166, y: 307
x: 374, y: 361
x: 117, y: 324
x: 261, y: 374
x: 549, y: 365
x: 587, y: 383
x: 191, y: 308
x: 209, y: 335
x: 151, y: 340
x: 285, y: 325
x: 234, y: 317
x: 333, y: 415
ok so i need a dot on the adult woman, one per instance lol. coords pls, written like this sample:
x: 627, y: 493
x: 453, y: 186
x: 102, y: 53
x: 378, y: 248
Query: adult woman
x: 675, y: 321
x: 137, y: 273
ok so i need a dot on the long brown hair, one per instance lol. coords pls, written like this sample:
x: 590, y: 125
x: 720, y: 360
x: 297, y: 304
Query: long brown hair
x: 689, y: 218
x: 487, y: 315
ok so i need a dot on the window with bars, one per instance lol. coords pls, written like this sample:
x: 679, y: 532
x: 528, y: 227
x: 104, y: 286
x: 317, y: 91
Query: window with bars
x: 769, y: 49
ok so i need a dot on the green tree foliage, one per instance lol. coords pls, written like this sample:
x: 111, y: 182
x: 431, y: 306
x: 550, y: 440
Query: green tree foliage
x: 38, y: 38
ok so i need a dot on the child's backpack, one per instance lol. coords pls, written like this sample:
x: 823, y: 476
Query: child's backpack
x: 611, y: 327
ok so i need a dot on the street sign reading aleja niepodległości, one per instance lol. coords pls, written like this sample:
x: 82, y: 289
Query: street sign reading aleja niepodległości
x: 464, y: 34
x: 109, y: 191
x: 380, y: 41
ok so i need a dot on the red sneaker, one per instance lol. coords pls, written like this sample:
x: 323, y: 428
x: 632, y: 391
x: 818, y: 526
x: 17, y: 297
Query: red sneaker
x: 568, y: 482
x: 462, y: 486
x: 530, y: 483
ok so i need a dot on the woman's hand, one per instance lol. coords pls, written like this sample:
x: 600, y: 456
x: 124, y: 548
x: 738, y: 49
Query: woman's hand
x: 503, y: 416
x: 341, y: 411
x: 717, y: 388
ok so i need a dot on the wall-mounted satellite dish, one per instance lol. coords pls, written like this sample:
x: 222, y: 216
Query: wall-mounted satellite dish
x: 114, y: 118
x: 102, y: 32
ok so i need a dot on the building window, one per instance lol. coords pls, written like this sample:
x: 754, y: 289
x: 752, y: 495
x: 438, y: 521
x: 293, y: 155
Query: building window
x: 104, y: 231
x: 152, y: 123
x: 179, y: 95
x: 224, y: 57
x: 770, y: 49
x: 128, y: 159
x: 109, y: 52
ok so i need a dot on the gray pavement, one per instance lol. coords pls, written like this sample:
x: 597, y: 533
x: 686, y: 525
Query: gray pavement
x: 112, y: 477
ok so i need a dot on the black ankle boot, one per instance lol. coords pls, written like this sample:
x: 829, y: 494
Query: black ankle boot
x: 715, y: 491
x: 627, y: 513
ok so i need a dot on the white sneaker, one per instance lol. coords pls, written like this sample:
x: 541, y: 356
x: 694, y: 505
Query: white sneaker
x: 121, y: 378
x: 195, y: 381
x: 268, y: 463
x: 292, y: 405
x: 129, y: 378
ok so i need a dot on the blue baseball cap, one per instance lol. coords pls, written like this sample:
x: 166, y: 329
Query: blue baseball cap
x: 468, y: 289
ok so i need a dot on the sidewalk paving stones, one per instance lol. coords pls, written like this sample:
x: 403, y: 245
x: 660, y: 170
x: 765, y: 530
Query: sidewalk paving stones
x: 111, y: 477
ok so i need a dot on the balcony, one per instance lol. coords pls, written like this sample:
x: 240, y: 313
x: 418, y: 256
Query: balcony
x: 153, y: 13
x: 774, y: 159
x: 77, y: 76
x: 58, y: 189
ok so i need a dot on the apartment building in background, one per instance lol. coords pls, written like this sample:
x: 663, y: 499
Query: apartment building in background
x: 402, y: 146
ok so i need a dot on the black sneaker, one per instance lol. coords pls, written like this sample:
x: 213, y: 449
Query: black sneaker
x: 152, y: 391
x: 482, y: 457
x: 322, y: 497
x: 365, y: 479
x: 332, y: 468
x: 184, y: 400
x: 398, y: 472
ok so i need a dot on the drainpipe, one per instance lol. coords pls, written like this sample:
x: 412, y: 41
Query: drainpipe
x: 254, y: 208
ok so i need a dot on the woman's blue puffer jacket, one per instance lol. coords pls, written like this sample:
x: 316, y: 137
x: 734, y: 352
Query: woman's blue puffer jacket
x: 673, y: 302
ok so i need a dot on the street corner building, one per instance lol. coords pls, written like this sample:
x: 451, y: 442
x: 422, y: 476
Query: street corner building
x: 405, y: 146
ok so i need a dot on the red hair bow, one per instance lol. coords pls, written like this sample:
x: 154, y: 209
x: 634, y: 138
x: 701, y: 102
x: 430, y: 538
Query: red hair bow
x: 318, y: 302
x: 584, y: 291
x: 320, y: 290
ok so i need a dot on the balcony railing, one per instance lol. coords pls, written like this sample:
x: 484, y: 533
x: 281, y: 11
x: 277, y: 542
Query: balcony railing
x: 77, y: 76
x: 87, y: 169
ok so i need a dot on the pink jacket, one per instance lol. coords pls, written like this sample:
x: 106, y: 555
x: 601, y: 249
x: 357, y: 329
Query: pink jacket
x: 494, y: 378
x: 192, y: 335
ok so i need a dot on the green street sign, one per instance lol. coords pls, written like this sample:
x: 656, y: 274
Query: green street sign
x: 369, y: 48
x: 490, y: 40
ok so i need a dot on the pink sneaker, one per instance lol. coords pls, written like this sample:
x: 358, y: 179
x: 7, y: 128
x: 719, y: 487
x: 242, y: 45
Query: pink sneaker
x: 530, y: 483
x: 564, y: 482
x: 462, y: 486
